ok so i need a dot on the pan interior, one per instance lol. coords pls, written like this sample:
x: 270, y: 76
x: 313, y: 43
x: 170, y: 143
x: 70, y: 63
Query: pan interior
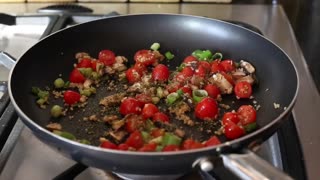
x: 181, y: 35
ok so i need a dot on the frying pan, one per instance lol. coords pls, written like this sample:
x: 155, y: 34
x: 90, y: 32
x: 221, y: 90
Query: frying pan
x: 180, y: 34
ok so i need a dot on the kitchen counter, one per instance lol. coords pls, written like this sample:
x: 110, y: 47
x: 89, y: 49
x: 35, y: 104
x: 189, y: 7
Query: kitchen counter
x: 273, y: 23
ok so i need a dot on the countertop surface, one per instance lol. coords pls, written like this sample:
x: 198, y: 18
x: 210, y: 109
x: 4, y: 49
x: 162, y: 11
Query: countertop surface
x: 274, y: 24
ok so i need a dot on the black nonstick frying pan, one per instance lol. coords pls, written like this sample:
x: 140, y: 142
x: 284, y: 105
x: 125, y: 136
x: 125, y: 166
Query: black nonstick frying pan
x: 180, y: 34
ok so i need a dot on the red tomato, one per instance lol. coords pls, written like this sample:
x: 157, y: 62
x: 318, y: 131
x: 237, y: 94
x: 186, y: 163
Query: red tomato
x: 123, y: 147
x: 200, y: 71
x: 157, y: 132
x: 247, y: 114
x: 216, y: 67
x: 133, y: 75
x: 228, y: 77
x: 212, y: 90
x: 206, y: 109
x: 230, y: 116
x: 133, y: 122
x: 148, y: 147
x: 243, y: 89
x: 187, y: 72
x: 84, y: 63
x: 214, y: 140
x: 233, y: 131
x: 159, y: 116
x: 206, y: 65
x: 76, y: 76
x: 135, y: 140
x: 228, y: 65
x: 179, y: 78
x: 187, y: 90
x: 145, y: 57
x: 191, y: 144
x: 143, y: 99
x: 140, y: 68
x: 107, y: 57
x: 171, y: 147
x: 189, y: 59
x: 149, y: 110
x: 71, y: 97
x: 160, y: 73
x: 173, y: 86
x: 108, y: 145
x: 130, y: 106
x: 94, y: 65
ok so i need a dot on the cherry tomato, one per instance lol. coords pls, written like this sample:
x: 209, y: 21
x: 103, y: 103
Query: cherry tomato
x: 228, y: 77
x: 135, y: 140
x: 189, y: 59
x: 214, y: 140
x: 247, y: 114
x: 157, y: 132
x: 149, y: 110
x: 187, y: 72
x: 233, y: 131
x: 206, y: 109
x: 108, y: 145
x: 187, y: 90
x: 133, y: 75
x: 84, y: 63
x: 76, y: 76
x: 228, y: 65
x: 143, y: 99
x: 216, y: 67
x: 107, y: 57
x: 160, y: 73
x: 123, y: 147
x: 133, y: 122
x: 71, y: 97
x: 140, y: 68
x: 94, y: 65
x: 148, y: 147
x: 230, y: 116
x: 205, y: 65
x: 191, y: 144
x: 171, y: 147
x: 200, y: 71
x: 243, y: 89
x: 173, y: 86
x: 130, y: 106
x: 181, y: 78
x: 145, y: 57
x: 159, y: 116
x: 212, y: 90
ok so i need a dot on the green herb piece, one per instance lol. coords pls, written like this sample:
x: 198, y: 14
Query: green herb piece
x: 172, y: 98
x: 149, y: 125
x: 205, y: 55
x: 66, y: 84
x: 155, y: 46
x: 199, y: 94
x: 159, y: 148
x: 56, y: 111
x: 197, y: 53
x: 58, y: 83
x: 85, y: 92
x: 180, y: 68
x: 145, y: 136
x: 64, y: 134
x: 170, y: 138
x: 95, y: 76
x: 85, y: 71
x: 169, y: 55
x: 41, y: 101
x: 217, y: 56
x: 250, y: 127
x: 35, y: 90
x: 84, y: 141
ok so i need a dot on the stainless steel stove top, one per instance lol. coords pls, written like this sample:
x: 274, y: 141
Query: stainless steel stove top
x: 273, y: 23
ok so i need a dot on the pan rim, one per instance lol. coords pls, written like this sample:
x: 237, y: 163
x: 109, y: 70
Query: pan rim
x: 32, y: 125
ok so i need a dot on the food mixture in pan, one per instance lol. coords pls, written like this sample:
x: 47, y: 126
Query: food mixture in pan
x: 148, y: 107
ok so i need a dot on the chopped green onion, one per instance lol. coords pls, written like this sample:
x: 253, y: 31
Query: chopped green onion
x: 149, y: 125
x: 180, y: 68
x: 180, y: 92
x: 155, y: 46
x: 35, y: 90
x: 159, y: 148
x: 64, y: 134
x: 160, y: 92
x: 199, y: 94
x: 56, y: 111
x: 85, y: 92
x: 205, y: 55
x: 145, y: 136
x: 217, y: 56
x: 93, y: 90
x: 95, y: 75
x: 250, y: 127
x: 85, y: 71
x: 84, y: 141
x: 58, y: 83
x: 43, y: 94
x: 172, y: 98
x: 197, y: 53
x: 41, y: 101
x: 169, y: 55
x: 157, y: 140
x: 170, y: 138
x: 67, y: 84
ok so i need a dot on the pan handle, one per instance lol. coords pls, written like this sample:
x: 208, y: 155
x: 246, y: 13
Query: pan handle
x: 246, y: 166
x: 7, y: 60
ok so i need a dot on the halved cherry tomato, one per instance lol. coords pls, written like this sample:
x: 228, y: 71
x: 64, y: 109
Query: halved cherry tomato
x: 135, y: 140
x: 123, y: 147
x: 243, y: 89
x: 200, y: 71
x: 84, y: 63
x: 94, y: 65
x: 71, y: 97
x: 189, y: 59
x: 159, y: 116
x: 133, y: 122
x: 157, y: 132
x: 107, y: 57
x: 187, y: 72
x: 191, y: 144
x: 233, y: 131
x: 187, y: 90
x: 143, y: 99
x: 216, y: 67
x: 247, y: 114
x: 206, y: 65
x: 214, y: 140
x: 230, y: 116
x: 145, y: 57
x: 140, y: 68
x: 149, y: 110
x: 108, y: 145
x: 133, y: 75
x: 228, y: 65
x: 160, y: 73
x: 207, y: 109
x: 130, y: 106
x: 76, y: 76
x: 173, y: 86
x: 148, y: 147
x: 212, y: 90
x: 228, y: 77
x: 171, y: 147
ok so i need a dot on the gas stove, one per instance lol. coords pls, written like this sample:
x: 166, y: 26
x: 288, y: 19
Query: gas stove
x: 293, y: 148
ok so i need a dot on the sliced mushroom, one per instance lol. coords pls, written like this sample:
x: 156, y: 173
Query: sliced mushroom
x: 54, y: 126
x: 222, y: 83
x: 112, y: 100
x: 247, y: 66
x: 117, y: 124
x: 119, y: 135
